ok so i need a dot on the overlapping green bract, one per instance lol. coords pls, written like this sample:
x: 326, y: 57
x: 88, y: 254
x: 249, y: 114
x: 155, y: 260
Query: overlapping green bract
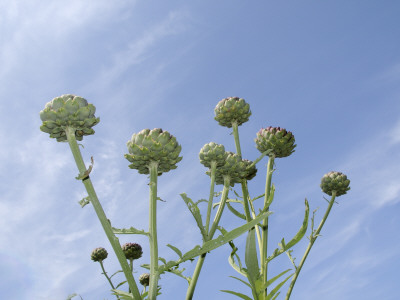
x: 99, y: 254
x: 144, y: 279
x: 335, y: 181
x: 278, y: 139
x: 212, y: 152
x: 132, y: 250
x: 68, y: 111
x: 153, y: 146
x: 236, y: 168
x: 232, y: 109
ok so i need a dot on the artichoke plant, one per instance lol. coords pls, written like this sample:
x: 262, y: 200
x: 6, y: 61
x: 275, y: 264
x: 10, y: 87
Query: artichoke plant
x: 99, y: 254
x: 68, y: 111
x: 232, y: 110
x: 153, y: 146
x: 279, y: 140
x: 212, y: 152
x: 132, y: 250
x: 335, y: 181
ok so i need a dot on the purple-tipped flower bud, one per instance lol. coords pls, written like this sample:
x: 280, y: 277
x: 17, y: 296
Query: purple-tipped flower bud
x: 99, y: 254
x: 68, y: 111
x: 153, y: 146
x: 279, y: 140
x: 232, y: 109
x: 212, y: 152
x: 132, y: 250
x: 144, y: 279
x: 335, y: 181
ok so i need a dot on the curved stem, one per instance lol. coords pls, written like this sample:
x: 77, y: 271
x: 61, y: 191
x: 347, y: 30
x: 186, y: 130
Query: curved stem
x: 153, y: 232
x: 264, y: 262
x: 313, y: 237
x: 200, y: 261
x: 108, y: 278
x: 114, y: 241
x: 245, y: 191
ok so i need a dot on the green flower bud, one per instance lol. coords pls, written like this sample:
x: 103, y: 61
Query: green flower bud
x: 335, y: 181
x: 153, y: 146
x: 144, y: 279
x: 251, y: 171
x: 99, y: 254
x: 232, y: 109
x: 281, y: 142
x: 68, y: 111
x: 212, y: 152
x: 132, y: 250
x: 234, y: 167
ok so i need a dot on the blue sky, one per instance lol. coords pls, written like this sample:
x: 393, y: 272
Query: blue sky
x: 329, y: 71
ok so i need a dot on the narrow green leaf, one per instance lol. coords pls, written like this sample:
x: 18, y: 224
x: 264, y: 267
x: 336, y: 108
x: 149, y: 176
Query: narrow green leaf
x: 272, y: 280
x: 196, y: 214
x: 121, y: 283
x: 240, y: 295
x: 215, y: 243
x: 130, y: 230
x: 179, y: 273
x: 276, y: 289
x: 176, y: 250
x: 235, y: 212
x: 115, y: 273
x: 241, y: 280
x: 73, y: 296
x: 251, y: 260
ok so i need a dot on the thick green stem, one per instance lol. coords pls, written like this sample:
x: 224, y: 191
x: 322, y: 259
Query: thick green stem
x: 211, y: 196
x: 313, y: 237
x: 153, y: 232
x: 200, y: 261
x: 108, y: 278
x: 221, y: 207
x: 114, y: 241
x: 245, y: 191
x: 263, y: 250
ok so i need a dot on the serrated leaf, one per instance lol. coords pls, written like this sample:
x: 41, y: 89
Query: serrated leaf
x: 235, y: 212
x: 299, y: 235
x: 123, y: 295
x: 196, y: 214
x: 179, y: 273
x: 251, y: 260
x: 215, y: 243
x: 240, y: 295
x: 130, y: 230
x: 72, y: 296
x: 176, y: 250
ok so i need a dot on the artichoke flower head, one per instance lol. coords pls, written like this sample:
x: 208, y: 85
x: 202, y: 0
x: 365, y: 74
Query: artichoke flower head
x: 234, y: 167
x: 99, y: 254
x: 279, y: 140
x: 212, y: 152
x: 132, y: 250
x: 230, y: 110
x: 153, y: 146
x: 335, y: 181
x: 68, y: 111
x: 144, y: 279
